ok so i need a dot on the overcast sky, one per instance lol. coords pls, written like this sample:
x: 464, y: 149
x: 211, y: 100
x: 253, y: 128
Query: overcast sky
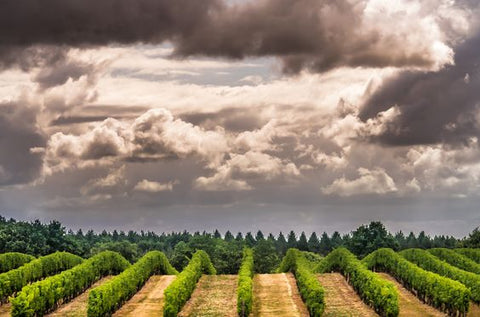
x: 311, y: 115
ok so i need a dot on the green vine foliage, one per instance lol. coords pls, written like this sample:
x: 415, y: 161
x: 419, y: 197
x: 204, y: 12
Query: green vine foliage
x: 445, y: 294
x: 245, y: 284
x: 44, y: 296
x: 376, y: 292
x: 107, y: 298
x: 472, y: 254
x: 431, y: 263
x: 456, y: 259
x: 13, y: 260
x: 180, y: 290
x: 13, y: 280
x: 310, y: 288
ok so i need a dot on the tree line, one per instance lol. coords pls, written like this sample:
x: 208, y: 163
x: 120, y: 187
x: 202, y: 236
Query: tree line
x: 225, y: 250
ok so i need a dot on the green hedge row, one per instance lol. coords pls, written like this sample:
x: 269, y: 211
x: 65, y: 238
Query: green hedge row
x: 44, y: 296
x: 178, y: 293
x: 13, y: 280
x: 376, y: 292
x: 431, y: 263
x: 13, y: 260
x: 445, y: 294
x: 310, y: 288
x: 456, y: 259
x: 109, y: 297
x: 245, y: 284
x: 472, y: 254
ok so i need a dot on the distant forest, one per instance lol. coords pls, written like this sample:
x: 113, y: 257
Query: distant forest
x: 225, y: 249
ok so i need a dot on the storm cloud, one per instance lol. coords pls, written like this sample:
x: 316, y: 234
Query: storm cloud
x: 307, y: 34
x: 19, y: 136
x: 442, y: 106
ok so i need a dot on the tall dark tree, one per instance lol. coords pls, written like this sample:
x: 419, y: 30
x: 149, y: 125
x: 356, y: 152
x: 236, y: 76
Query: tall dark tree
x: 229, y: 236
x: 367, y: 239
x: 325, y: 244
x: 239, y: 237
x: 259, y: 236
x: 281, y: 244
x: 217, y: 234
x: 302, y: 243
x: 336, y: 240
x: 313, y: 243
x: 249, y: 240
x: 265, y: 256
x: 291, y: 240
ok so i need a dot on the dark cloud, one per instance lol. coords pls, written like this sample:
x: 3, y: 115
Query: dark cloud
x: 67, y: 120
x: 18, y: 134
x: 58, y: 73
x: 441, y: 106
x: 305, y: 34
x: 232, y: 119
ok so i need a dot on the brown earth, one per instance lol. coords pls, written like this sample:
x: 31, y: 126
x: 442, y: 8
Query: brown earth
x: 277, y: 295
x: 341, y: 300
x: 78, y: 306
x: 149, y: 300
x: 410, y: 305
x: 5, y: 310
x: 474, y: 310
x: 214, y: 296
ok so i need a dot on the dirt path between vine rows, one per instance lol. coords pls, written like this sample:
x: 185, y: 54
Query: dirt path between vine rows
x: 341, y: 300
x: 277, y: 295
x: 149, y: 300
x: 78, y: 306
x: 410, y: 305
x: 214, y: 296
x: 5, y: 310
x: 474, y: 310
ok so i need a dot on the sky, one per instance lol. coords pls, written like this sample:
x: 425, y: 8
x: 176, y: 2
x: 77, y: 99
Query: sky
x: 311, y: 115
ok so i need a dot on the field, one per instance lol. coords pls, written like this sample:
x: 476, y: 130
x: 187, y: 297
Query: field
x: 303, y: 285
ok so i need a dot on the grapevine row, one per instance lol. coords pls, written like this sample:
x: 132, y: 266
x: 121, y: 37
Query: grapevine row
x: 456, y: 259
x: 44, y: 296
x: 310, y: 288
x: 374, y: 291
x: 12, y: 260
x: 431, y: 263
x: 445, y: 294
x: 473, y: 254
x: 13, y: 280
x: 107, y: 298
x: 245, y: 284
x: 178, y: 293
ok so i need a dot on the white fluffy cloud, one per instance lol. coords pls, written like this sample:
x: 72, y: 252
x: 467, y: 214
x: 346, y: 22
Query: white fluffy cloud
x: 369, y: 182
x: 153, y: 187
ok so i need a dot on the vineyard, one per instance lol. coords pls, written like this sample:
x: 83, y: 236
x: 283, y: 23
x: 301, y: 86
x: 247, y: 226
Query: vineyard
x: 413, y: 282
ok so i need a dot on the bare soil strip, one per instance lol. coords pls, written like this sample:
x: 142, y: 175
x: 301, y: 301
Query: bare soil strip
x: 78, y: 306
x: 341, y: 300
x: 277, y: 295
x: 149, y: 300
x: 5, y: 310
x: 214, y: 296
x: 474, y: 310
x: 410, y: 305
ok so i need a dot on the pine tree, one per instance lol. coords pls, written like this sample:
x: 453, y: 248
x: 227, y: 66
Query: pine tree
x: 249, y: 240
x: 291, y: 240
x: 302, y: 244
x: 239, y: 237
x: 229, y: 236
x: 217, y: 234
x: 259, y: 236
x: 281, y: 244
x: 313, y: 243
x: 325, y: 244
